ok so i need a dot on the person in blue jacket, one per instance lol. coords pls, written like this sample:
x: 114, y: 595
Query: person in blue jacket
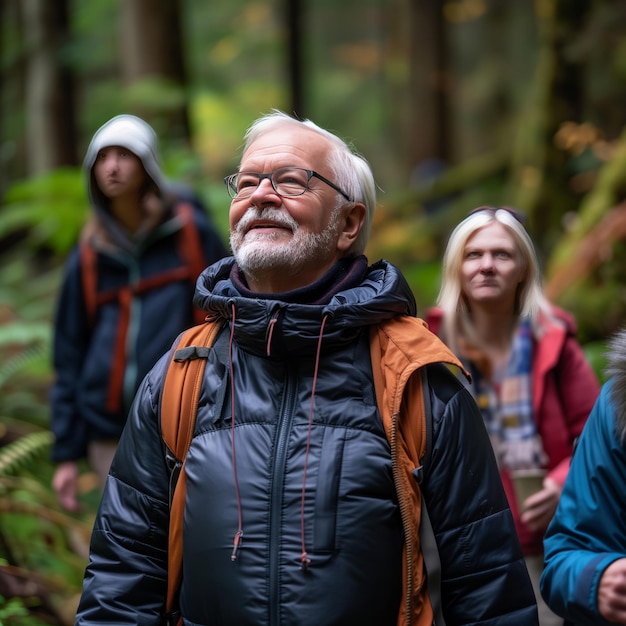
x: 303, y: 489
x: 126, y: 294
x: 584, y: 579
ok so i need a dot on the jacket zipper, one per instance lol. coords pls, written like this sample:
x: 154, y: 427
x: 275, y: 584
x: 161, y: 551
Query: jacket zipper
x: 405, y: 514
x: 285, y: 420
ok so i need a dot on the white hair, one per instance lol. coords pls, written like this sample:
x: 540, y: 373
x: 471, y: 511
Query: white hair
x: 351, y: 171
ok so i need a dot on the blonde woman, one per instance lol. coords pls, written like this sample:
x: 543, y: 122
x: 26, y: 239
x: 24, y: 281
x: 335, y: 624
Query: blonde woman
x: 530, y: 377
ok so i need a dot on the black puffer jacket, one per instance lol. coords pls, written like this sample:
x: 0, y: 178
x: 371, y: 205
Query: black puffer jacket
x: 289, y: 450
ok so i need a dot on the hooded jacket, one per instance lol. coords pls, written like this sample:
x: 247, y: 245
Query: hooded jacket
x: 84, y: 351
x: 587, y: 533
x: 293, y: 512
x: 564, y: 388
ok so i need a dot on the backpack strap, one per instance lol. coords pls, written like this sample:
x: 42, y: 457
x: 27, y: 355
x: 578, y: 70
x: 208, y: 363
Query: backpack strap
x: 191, y: 253
x: 190, y: 248
x: 178, y: 408
x: 422, y: 439
x: 427, y: 534
x: 394, y: 345
x: 89, y: 279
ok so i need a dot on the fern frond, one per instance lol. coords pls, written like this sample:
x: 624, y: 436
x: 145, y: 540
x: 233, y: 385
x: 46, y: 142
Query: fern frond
x: 19, y: 361
x: 21, y: 452
x: 21, y: 332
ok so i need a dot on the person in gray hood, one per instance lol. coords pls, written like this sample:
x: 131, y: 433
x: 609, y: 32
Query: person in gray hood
x: 303, y: 486
x: 126, y: 293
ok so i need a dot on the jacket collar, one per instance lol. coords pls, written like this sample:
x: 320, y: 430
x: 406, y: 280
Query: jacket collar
x: 352, y: 299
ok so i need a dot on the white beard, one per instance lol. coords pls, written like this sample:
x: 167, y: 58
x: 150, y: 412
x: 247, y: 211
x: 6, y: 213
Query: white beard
x: 258, y: 251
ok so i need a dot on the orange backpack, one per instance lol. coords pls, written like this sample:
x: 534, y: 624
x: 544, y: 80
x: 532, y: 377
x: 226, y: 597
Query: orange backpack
x: 179, y: 405
x: 194, y: 262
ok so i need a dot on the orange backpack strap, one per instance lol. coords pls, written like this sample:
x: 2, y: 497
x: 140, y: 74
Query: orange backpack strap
x: 190, y: 247
x: 179, y: 405
x: 416, y: 423
x: 89, y: 279
x: 428, y: 543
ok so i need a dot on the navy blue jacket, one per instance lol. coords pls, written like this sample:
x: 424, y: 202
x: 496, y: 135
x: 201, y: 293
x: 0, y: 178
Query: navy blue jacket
x: 83, y: 348
x: 289, y: 449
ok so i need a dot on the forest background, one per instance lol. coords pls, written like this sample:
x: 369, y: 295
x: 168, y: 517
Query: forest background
x: 455, y: 103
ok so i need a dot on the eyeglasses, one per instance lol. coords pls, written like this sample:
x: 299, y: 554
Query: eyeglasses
x: 286, y: 181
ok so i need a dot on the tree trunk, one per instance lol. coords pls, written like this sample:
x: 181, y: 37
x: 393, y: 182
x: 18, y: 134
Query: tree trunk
x: 428, y: 90
x: 565, y: 105
x: 152, y: 48
x: 51, y: 131
x: 295, y: 33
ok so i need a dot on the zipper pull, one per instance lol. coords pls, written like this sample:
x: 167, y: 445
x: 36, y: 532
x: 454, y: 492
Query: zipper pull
x: 305, y: 562
x: 236, y: 545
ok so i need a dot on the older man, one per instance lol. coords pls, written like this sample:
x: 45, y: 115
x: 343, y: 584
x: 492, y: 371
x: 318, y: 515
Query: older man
x: 302, y: 490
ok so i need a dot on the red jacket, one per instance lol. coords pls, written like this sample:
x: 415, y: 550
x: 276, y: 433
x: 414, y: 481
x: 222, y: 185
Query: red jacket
x: 564, y: 389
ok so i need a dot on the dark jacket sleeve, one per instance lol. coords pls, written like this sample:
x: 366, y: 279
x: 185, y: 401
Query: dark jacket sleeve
x: 70, y: 342
x: 126, y: 577
x: 484, y: 577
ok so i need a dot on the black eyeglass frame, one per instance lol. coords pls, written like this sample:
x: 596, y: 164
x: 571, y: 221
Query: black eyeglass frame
x: 269, y: 175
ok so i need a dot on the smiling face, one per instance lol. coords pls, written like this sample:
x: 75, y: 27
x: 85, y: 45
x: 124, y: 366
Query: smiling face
x: 282, y: 243
x: 492, y: 270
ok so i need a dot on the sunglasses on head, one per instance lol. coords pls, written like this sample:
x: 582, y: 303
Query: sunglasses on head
x: 518, y: 215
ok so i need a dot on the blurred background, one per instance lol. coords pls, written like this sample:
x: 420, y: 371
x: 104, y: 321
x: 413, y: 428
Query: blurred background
x: 455, y: 103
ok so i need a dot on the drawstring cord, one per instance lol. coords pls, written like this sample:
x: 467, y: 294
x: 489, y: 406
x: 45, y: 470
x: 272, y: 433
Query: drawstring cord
x: 239, y: 533
x: 270, y: 332
x: 305, y: 561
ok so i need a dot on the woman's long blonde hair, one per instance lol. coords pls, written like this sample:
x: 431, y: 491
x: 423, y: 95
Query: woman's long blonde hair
x: 530, y: 299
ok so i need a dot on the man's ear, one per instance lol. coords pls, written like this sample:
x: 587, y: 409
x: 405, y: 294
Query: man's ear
x: 353, y: 220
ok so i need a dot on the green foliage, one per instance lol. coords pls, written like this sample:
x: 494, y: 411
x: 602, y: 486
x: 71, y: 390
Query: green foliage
x: 15, y: 611
x: 24, y: 451
x: 49, y: 210
x: 599, y: 307
x: 425, y: 279
x: 154, y: 94
x: 606, y: 193
x: 596, y: 353
x: 502, y: 97
x: 39, y: 542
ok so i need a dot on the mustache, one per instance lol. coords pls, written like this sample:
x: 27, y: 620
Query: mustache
x: 272, y: 215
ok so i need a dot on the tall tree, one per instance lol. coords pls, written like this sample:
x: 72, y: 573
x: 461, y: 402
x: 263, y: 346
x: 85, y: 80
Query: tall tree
x: 294, y: 19
x: 566, y: 103
x: 429, y: 115
x: 152, y: 49
x: 49, y: 93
